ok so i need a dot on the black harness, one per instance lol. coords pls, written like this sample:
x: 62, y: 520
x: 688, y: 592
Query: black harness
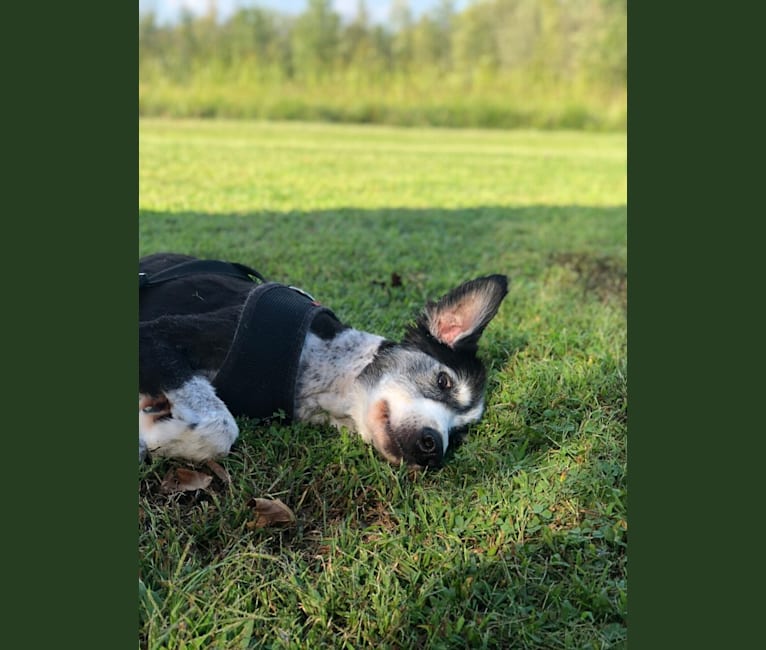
x: 257, y: 378
x: 192, y: 267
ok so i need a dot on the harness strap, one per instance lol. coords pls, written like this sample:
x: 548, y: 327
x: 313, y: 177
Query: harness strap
x: 191, y: 267
x: 257, y: 378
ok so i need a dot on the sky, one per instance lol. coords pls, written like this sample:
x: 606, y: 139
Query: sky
x: 167, y: 10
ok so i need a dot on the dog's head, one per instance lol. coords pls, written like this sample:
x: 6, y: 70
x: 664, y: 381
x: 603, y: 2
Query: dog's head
x: 427, y: 388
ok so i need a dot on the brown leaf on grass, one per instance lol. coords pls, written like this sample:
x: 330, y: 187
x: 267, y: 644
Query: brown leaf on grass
x: 181, y: 479
x: 219, y: 471
x: 396, y: 281
x: 269, y: 512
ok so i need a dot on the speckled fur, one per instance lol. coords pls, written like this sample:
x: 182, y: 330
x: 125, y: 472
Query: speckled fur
x: 327, y: 388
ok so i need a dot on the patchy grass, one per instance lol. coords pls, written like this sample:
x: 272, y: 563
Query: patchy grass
x: 520, y: 541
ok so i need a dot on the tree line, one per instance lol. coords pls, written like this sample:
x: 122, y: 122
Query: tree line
x: 551, y: 48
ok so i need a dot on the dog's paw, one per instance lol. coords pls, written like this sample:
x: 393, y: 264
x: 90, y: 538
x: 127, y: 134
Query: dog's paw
x: 216, y: 424
x: 191, y: 422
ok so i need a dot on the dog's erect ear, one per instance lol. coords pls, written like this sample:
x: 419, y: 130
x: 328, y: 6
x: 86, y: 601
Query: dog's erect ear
x: 459, y: 318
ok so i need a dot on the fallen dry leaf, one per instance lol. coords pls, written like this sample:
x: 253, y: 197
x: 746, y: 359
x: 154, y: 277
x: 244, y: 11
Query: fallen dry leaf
x: 219, y: 471
x: 181, y: 479
x: 269, y: 512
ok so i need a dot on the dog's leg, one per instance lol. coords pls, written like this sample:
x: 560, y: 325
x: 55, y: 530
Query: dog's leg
x: 189, y: 422
x: 179, y: 413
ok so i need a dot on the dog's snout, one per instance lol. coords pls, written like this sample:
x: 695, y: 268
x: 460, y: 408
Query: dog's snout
x: 428, y: 448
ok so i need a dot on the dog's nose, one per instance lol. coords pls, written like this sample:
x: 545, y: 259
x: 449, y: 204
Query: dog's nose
x: 428, y: 449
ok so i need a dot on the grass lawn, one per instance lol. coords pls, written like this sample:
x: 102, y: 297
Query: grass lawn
x: 521, y: 539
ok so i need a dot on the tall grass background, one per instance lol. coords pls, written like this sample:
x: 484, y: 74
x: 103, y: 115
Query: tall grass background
x: 495, y: 64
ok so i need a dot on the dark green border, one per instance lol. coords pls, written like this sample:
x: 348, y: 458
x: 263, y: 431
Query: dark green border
x: 70, y: 242
x: 695, y: 424
x: 655, y: 585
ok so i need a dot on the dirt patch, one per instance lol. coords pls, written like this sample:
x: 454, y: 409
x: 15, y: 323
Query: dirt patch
x: 606, y: 277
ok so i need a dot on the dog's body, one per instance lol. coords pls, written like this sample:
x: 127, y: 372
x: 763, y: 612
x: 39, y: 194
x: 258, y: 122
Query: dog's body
x: 406, y: 398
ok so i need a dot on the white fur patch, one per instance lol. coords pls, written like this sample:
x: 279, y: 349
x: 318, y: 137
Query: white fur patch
x: 201, y: 427
x: 461, y: 393
x: 469, y: 417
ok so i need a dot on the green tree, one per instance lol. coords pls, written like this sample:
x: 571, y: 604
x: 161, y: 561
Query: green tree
x: 402, y: 45
x: 315, y: 40
x: 474, y: 47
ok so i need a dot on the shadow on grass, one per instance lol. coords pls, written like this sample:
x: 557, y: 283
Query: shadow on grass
x: 344, y: 255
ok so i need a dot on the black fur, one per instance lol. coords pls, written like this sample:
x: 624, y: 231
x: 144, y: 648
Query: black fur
x: 185, y: 325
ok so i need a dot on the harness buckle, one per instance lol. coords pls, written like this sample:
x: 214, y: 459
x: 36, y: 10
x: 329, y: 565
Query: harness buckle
x: 304, y: 293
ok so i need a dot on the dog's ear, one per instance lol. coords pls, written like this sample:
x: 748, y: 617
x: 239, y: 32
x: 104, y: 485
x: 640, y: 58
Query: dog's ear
x: 459, y: 318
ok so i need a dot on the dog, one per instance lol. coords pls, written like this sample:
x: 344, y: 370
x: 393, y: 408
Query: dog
x: 210, y: 349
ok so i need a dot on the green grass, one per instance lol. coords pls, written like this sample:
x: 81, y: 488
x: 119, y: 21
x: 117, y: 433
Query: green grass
x: 520, y: 541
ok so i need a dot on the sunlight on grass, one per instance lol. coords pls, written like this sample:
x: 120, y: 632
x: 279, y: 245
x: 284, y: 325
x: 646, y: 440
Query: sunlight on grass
x: 228, y: 167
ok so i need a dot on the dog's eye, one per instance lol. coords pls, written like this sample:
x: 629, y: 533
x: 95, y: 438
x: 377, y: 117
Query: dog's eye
x: 443, y: 381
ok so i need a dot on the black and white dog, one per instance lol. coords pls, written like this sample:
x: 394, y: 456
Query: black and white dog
x: 214, y: 343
